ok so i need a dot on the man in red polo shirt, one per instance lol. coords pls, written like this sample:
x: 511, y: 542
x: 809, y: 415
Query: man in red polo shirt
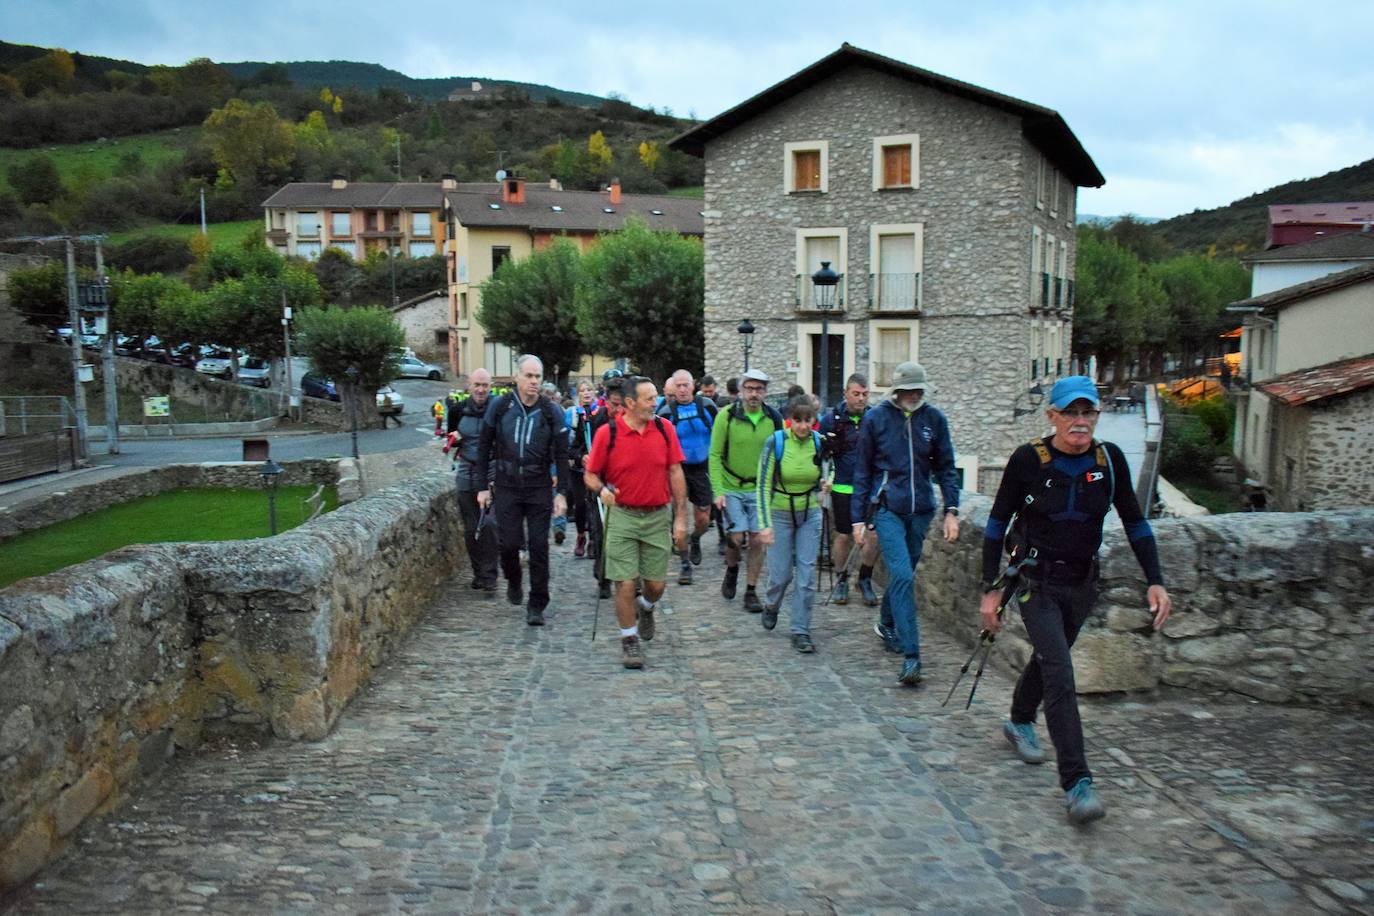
x: 635, y: 468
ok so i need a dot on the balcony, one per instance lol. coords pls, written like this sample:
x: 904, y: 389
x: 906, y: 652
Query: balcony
x: 804, y: 298
x: 371, y: 231
x: 894, y: 293
x: 1044, y: 290
x: 308, y: 230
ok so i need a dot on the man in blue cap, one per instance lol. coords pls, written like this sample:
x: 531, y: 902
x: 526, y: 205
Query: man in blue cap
x: 1059, y: 490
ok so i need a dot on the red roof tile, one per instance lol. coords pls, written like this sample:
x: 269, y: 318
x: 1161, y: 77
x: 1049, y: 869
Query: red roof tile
x: 1307, y: 386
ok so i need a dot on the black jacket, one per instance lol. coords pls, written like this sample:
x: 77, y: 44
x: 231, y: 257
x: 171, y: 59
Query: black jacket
x: 522, y: 446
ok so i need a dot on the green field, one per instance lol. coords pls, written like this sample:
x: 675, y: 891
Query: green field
x: 221, y: 234
x: 178, y: 515
x: 697, y: 193
x: 82, y: 163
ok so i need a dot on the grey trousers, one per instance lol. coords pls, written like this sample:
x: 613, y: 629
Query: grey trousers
x: 796, y: 543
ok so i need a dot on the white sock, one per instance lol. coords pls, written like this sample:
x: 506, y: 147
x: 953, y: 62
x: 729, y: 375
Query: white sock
x: 632, y: 631
x: 645, y: 603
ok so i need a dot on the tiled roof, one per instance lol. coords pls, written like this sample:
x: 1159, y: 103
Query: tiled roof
x: 1042, y: 126
x: 1279, y: 298
x: 407, y: 194
x: 1307, y: 386
x: 579, y: 211
x: 1343, y: 212
x: 1342, y: 247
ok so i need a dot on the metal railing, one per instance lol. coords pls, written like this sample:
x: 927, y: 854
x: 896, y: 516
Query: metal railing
x: 894, y: 292
x: 804, y: 298
x: 38, y: 435
x: 22, y: 415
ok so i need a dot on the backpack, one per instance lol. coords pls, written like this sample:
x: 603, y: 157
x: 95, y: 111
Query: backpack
x: 1014, y: 541
x: 779, y: 441
x: 737, y: 411
x: 553, y: 415
x: 704, y: 408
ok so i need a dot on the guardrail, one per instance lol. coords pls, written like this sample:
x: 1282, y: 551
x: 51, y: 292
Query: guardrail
x: 1154, y: 437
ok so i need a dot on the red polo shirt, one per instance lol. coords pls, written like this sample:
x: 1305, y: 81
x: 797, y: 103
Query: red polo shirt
x: 639, y: 463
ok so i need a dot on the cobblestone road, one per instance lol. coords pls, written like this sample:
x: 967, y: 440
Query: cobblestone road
x: 493, y: 767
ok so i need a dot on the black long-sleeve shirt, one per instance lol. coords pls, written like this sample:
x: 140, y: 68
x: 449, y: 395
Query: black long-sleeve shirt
x: 1060, y: 506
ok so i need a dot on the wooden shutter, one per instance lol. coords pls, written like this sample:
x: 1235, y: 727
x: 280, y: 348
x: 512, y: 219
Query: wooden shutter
x: 806, y: 170
x: 897, y: 166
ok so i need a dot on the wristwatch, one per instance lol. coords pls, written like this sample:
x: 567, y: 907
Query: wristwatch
x: 954, y: 511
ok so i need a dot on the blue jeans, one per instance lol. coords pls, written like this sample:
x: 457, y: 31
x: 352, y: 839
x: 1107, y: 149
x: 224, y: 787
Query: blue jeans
x: 901, y: 538
x: 795, y: 547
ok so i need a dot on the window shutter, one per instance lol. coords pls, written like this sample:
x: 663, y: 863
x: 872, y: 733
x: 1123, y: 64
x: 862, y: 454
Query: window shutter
x: 806, y: 170
x: 896, y: 166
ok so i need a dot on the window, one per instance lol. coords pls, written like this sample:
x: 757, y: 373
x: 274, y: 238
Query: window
x: 892, y: 348
x: 813, y: 247
x: 308, y: 250
x: 348, y: 248
x: 1039, y: 182
x: 420, y: 225
x: 1054, y: 195
x: 896, y: 161
x: 895, y: 277
x: 308, y: 225
x: 1037, y: 251
x: 462, y: 306
x: 340, y: 224
x: 806, y: 166
x: 500, y: 254
x: 421, y: 249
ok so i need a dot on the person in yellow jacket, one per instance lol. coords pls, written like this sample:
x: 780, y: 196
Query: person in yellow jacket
x: 437, y: 412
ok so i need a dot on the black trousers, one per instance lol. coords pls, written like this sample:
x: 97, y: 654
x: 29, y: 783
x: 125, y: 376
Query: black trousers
x: 526, y: 511
x: 482, y: 552
x: 1053, y: 615
x: 577, y: 497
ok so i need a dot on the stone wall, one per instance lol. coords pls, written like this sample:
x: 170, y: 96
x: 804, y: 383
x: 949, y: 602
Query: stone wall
x: 109, y: 667
x: 1335, y: 451
x: 1274, y: 606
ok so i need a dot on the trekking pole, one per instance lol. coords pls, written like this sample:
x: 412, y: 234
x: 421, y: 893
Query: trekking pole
x: 1010, y: 580
x: 600, y: 563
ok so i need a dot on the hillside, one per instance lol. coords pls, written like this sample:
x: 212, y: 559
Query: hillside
x: 1241, y: 225
x: 339, y: 74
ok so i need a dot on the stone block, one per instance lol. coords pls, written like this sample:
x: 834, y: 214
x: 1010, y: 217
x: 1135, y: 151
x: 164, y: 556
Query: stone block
x: 1105, y: 662
x: 1180, y: 626
x: 1269, y: 691
x: 154, y: 751
x: 26, y: 853
x: 1219, y: 650
x: 16, y: 731
x: 1124, y: 619
x: 81, y: 799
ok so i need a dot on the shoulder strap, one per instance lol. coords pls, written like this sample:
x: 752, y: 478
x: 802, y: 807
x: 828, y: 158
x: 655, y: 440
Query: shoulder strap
x: 1041, y: 449
x: 1104, y: 460
x: 773, y: 415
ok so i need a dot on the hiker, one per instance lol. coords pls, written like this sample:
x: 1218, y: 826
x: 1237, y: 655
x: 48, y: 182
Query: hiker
x: 1059, y: 490
x: 692, y: 416
x: 840, y: 438
x: 579, y: 443
x: 788, y: 494
x: 611, y: 405
x: 904, y: 445
x: 436, y: 410
x: 635, y: 469
x: 522, y: 439
x: 465, y: 435
x: 737, y: 440
x: 710, y: 391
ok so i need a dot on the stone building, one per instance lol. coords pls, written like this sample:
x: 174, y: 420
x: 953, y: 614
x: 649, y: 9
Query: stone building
x: 948, y: 210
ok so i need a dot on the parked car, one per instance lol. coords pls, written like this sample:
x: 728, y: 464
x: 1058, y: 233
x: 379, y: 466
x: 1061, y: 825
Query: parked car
x: 254, y: 371
x: 217, y: 363
x: 412, y: 367
x: 389, y: 400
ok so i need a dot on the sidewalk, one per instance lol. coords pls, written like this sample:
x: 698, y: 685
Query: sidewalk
x: 495, y: 767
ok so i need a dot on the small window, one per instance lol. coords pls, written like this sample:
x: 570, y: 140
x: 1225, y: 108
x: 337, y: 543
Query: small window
x: 896, y: 166
x: 806, y: 170
x: 556, y: 209
x: 805, y: 166
x: 420, y: 224
x: 896, y: 161
x: 340, y: 224
x: 500, y: 254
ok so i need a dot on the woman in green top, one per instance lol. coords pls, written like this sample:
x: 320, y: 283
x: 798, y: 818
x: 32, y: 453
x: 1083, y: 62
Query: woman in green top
x: 789, y: 484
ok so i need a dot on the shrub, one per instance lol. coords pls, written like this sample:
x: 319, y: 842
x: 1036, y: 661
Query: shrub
x: 149, y: 253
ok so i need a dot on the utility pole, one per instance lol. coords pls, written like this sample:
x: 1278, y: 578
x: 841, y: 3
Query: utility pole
x: 74, y: 318
x: 102, y: 289
x: 286, y: 340
x: 398, y: 155
x: 203, y: 229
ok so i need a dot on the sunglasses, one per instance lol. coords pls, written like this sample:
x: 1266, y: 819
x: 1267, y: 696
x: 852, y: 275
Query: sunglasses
x: 1087, y: 413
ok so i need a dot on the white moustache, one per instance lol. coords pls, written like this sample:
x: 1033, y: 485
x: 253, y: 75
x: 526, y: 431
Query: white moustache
x: 1079, y: 429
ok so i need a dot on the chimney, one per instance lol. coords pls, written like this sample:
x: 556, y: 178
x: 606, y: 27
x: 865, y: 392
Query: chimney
x: 513, y: 190
x: 448, y: 181
x: 555, y: 184
x: 615, y: 190
x: 338, y: 183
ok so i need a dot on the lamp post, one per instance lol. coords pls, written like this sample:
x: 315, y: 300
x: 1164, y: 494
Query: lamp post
x: 825, y: 281
x: 1034, y: 396
x: 352, y: 373
x: 271, y: 475
x: 746, y: 329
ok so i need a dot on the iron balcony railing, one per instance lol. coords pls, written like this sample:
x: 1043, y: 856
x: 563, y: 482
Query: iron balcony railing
x: 891, y: 292
x: 804, y: 297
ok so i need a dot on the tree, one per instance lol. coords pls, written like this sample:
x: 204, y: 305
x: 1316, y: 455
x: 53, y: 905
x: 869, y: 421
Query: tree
x: 36, y: 180
x: 366, y: 339
x: 599, y: 150
x: 1195, y: 290
x: 338, y: 275
x: 649, y: 155
x: 640, y: 294
x: 1107, y: 301
x: 39, y: 294
x: 249, y: 141
x: 55, y: 71
x: 137, y: 299
x: 530, y: 306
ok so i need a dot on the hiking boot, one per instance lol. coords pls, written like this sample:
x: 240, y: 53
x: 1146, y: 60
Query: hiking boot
x: 752, y: 604
x: 889, y: 638
x: 484, y: 585
x: 769, y: 618
x: 478, y: 583
x: 1083, y: 804
x: 911, y: 673
x: 515, y: 594
x: 684, y: 576
x: 581, y: 549
x: 727, y: 586
x: 802, y: 643
x: 1022, y: 738
x: 645, y: 619
x: 842, y: 591
x: 560, y: 534
x: 631, y: 652
x: 604, y: 589
x: 866, y: 589
x: 694, y: 551
x: 535, y: 617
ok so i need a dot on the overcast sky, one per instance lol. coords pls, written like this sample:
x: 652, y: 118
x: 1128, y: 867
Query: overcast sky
x: 1183, y: 104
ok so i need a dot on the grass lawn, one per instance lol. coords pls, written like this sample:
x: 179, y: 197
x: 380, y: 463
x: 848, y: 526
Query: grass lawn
x: 698, y: 193
x: 80, y: 163
x: 1216, y: 498
x: 221, y: 234
x: 177, y: 515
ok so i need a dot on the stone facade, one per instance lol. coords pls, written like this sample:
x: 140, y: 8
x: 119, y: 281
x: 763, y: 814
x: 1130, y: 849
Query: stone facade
x: 976, y: 202
x: 1323, y: 450
x: 109, y: 667
x: 1271, y: 605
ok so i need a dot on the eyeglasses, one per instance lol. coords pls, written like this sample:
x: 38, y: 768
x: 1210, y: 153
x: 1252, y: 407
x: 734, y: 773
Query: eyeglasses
x: 756, y: 388
x: 1089, y: 413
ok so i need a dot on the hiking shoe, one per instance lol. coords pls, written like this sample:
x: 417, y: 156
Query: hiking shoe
x: 478, y: 583
x: 1022, y: 738
x: 769, y: 618
x: 727, y: 586
x: 866, y: 589
x: 694, y: 550
x: 842, y: 591
x: 645, y: 615
x: 1082, y: 802
x: 684, y: 576
x: 604, y: 589
x: 631, y: 652
x: 485, y: 585
x: 581, y: 549
x: 752, y: 604
x: 889, y: 638
x: 802, y: 643
x: 559, y: 535
x: 535, y: 617
x: 911, y: 673
x: 515, y: 594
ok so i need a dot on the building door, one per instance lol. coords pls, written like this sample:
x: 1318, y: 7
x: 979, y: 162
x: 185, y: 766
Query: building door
x: 836, y: 367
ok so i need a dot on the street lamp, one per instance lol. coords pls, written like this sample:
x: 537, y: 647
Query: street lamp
x: 825, y: 281
x: 352, y: 373
x: 746, y: 329
x: 1034, y: 395
x: 271, y: 475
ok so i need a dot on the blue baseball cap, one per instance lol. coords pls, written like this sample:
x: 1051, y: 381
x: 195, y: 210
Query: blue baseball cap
x: 1073, y: 388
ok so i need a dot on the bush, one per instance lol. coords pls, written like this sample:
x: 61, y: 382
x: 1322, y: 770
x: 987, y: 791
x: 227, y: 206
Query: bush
x: 1188, y: 448
x: 149, y: 254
